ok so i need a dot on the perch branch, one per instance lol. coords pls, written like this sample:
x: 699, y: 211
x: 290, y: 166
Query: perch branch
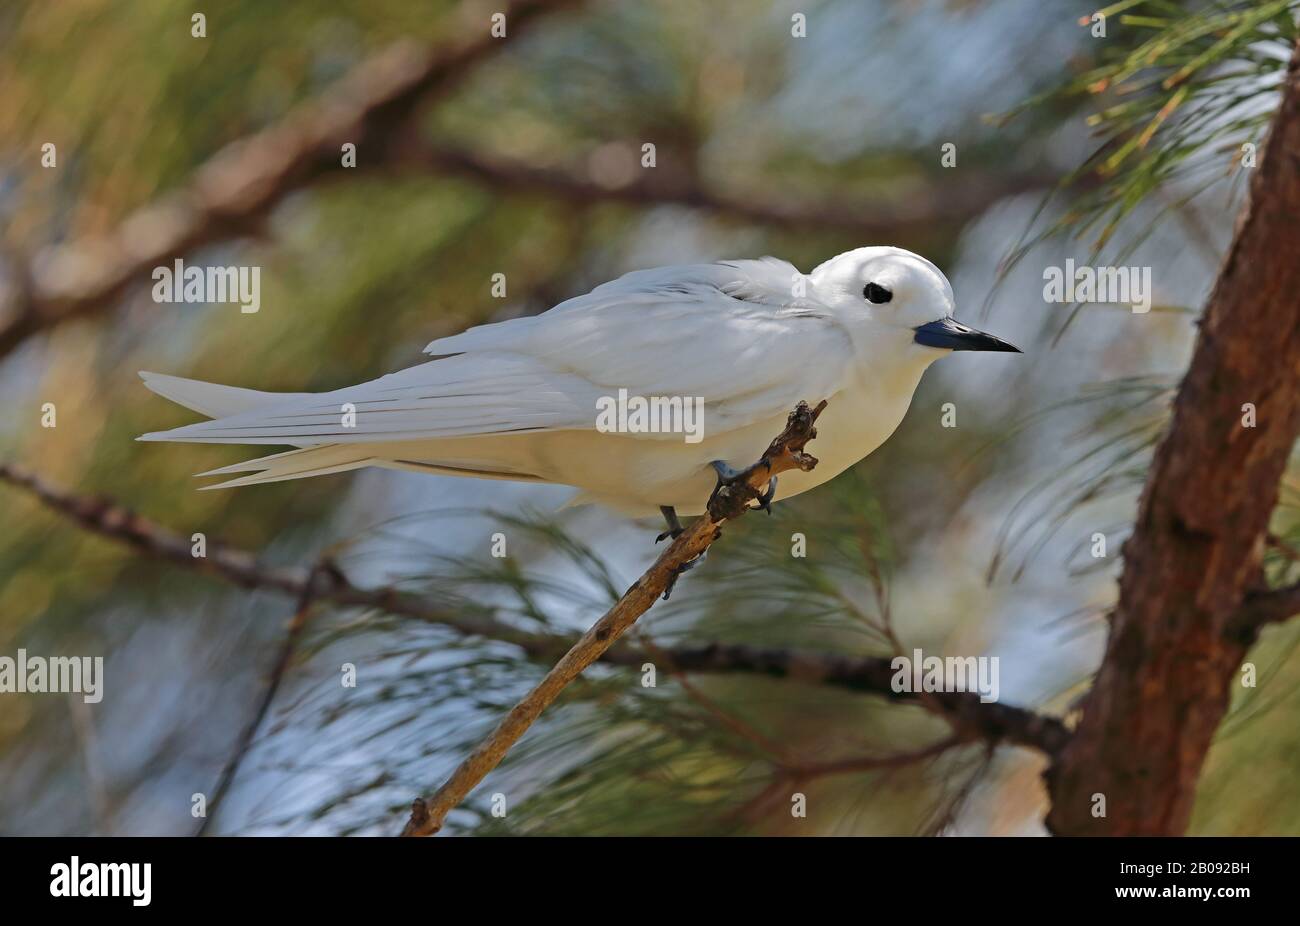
x: 729, y: 500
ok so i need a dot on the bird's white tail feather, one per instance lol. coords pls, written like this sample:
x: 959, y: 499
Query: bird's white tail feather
x: 294, y: 464
x: 212, y: 399
x: 254, y: 465
x: 218, y: 401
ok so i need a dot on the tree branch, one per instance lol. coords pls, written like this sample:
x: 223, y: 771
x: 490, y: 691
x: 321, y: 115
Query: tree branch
x: 1272, y: 606
x: 802, y: 772
x: 787, y: 776
x: 233, y: 191
x: 1177, y: 639
x: 297, y: 625
x: 729, y: 500
x: 921, y: 216
x: 994, y: 722
x: 872, y: 675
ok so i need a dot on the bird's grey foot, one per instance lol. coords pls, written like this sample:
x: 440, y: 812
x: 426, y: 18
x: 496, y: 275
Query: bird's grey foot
x: 675, y: 528
x: 682, y: 569
x: 728, y: 474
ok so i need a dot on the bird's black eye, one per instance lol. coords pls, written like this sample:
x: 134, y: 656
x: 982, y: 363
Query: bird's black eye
x: 877, y: 293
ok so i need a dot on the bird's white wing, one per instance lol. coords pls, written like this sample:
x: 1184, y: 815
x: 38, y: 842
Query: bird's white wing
x: 748, y: 336
x: 735, y: 334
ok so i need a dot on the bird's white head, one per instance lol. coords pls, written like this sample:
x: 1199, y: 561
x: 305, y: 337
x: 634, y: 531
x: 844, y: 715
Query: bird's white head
x: 899, y: 290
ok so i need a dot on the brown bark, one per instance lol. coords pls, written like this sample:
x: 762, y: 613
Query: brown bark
x: 1177, y: 636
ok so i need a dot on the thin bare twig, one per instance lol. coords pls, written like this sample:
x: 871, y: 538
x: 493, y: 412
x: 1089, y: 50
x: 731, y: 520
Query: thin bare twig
x: 856, y: 764
x: 83, y: 730
x: 319, y: 579
x: 737, y: 725
x: 794, y: 775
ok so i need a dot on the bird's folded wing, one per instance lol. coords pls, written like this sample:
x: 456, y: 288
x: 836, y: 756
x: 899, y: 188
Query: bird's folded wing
x: 735, y: 335
x: 749, y: 337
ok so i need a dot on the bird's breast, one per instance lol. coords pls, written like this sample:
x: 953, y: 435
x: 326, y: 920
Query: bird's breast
x: 857, y: 420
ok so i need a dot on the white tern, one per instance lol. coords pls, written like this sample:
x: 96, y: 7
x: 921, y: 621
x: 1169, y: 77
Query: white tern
x: 521, y: 399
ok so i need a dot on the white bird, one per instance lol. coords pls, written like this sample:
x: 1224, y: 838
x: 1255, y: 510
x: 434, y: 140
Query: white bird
x: 520, y: 399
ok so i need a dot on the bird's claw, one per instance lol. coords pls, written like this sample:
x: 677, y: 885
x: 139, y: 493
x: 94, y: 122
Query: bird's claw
x: 728, y: 476
x: 726, y: 472
x: 675, y: 528
x: 680, y: 570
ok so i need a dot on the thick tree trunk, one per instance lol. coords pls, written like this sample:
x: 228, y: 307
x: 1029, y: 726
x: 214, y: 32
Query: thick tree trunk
x: 1174, y: 651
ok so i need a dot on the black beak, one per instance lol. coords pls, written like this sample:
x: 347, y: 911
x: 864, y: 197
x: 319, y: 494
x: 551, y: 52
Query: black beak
x: 950, y: 334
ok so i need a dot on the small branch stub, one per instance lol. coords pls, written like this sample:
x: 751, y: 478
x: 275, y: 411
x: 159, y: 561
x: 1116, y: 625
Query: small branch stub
x: 785, y: 453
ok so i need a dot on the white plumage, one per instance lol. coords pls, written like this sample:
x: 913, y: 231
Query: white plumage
x: 518, y: 399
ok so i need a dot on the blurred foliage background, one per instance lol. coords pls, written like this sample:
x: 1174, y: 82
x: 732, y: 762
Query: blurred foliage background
x: 967, y: 540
